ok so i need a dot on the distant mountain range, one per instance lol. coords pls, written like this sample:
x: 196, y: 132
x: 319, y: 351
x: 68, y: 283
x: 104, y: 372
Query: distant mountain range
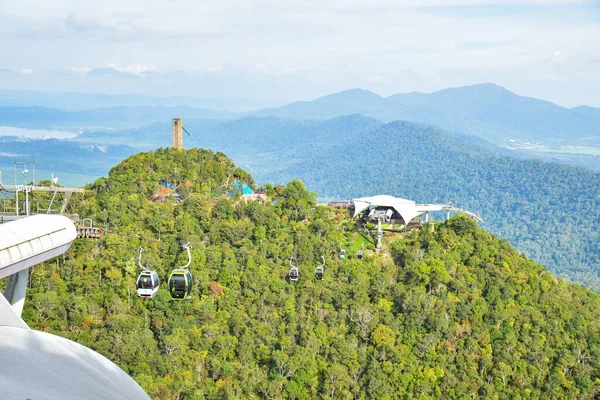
x: 87, y: 101
x: 487, y: 111
x: 588, y: 112
x: 62, y: 155
x: 114, y: 117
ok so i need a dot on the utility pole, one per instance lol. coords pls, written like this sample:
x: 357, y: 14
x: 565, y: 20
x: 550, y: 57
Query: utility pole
x: 379, y: 234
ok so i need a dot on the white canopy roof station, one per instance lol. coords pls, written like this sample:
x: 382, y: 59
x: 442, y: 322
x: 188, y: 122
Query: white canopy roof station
x: 39, y: 365
x: 382, y: 207
x: 29, y: 241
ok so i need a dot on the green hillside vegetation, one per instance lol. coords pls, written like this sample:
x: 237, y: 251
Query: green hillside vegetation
x: 448, y: 313
x: 548, y: 211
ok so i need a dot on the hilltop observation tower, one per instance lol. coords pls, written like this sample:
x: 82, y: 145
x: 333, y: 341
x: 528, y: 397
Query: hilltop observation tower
x: 177, y: 133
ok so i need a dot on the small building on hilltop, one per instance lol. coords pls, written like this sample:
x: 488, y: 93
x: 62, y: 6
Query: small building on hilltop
x: 399, y: 212
x: 388, y: 213
x: 246, y: 192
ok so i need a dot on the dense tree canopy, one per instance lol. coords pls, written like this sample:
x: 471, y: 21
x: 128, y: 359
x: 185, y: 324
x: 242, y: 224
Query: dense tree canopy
x: 548, y: 211
x: 447, y: 311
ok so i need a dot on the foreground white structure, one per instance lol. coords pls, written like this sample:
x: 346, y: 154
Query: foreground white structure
x: 29, y: 241
x: 39, y: 365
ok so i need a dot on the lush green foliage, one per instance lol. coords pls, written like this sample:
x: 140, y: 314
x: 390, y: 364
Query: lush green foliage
x: 453, y: 313
x: 549, y: 211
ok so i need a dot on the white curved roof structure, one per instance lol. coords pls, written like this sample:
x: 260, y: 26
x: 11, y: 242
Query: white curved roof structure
x: 39, y: 365
x: 407, y: 209
x: 29, y: 241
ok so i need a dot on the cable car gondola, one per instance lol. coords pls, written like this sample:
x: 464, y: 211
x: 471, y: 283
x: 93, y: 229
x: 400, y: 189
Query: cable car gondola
x: 360, y: 255
x: 294, y: 272
x: 320, y: 270
x: 88, y: 231
x: 180, y: 284
x: 342, y: 254
x: 147, y: 282
x: 180, y: 281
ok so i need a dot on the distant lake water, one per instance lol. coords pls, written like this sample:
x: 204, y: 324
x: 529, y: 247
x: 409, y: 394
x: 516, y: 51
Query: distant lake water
x: 67, y: 179
x: 35, y: 133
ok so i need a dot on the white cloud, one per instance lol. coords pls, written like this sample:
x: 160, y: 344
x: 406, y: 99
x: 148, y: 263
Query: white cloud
x: 26, y: 71
x: 261, y: 68
x: 559, y: 59
x: 79, y: 70
x: 135, y: 69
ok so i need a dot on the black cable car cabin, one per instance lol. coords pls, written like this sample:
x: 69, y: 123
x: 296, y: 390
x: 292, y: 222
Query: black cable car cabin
x: 180, y: 284
x: 147, y: 284
x: 359, y: 255
x: 319, y: 272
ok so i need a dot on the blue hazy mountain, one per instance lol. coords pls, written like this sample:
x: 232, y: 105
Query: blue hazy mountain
x: 63, y: 155
x: 588, y: 112
x: 85, y: 101
x: 353, y: 101
x: 245, y: 135
x: 485, y: 110
x: 119, y: 117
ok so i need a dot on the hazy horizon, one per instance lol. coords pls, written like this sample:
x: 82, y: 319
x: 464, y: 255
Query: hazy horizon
x: 258, y: 103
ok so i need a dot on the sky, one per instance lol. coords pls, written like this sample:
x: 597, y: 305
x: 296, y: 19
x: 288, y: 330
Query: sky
x: 288, y: 50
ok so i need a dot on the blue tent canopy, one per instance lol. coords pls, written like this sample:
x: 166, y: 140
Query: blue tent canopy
x: 243, y: 188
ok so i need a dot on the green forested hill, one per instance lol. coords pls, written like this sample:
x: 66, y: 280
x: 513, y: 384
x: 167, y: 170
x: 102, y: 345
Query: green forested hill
x: 453, y: 313
x: 549, y: 211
